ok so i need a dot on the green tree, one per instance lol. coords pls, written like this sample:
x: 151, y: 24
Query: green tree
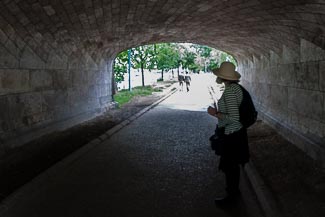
x: 175, y: 57
x: 152, y: 62
x: 188, y: 60
x: 120, y: 66
x: 167, y: 57
x: 141, y: 57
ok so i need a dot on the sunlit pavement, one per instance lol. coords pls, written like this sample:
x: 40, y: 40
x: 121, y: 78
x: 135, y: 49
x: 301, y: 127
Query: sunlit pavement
x: 159, y: 165
x: 197, y: 98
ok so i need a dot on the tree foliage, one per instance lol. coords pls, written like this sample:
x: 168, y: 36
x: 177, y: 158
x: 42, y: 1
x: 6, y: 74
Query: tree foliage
x: 188, y: 61
x: 213, y: 64
x: 202, y: 50
x: 120, y: 66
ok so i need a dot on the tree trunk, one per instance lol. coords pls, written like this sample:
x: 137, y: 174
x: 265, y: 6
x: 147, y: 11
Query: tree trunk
x: 162, y: 74
x: 142, y: 73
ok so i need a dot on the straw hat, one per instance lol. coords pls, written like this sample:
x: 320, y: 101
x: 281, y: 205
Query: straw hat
x: 227, y: 71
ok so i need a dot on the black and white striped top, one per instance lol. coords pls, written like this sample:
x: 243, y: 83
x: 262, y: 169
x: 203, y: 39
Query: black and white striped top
x: 228, y: 105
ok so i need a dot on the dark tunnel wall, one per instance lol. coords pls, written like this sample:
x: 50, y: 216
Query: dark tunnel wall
x: 56, y: 57
x: 289, y: 91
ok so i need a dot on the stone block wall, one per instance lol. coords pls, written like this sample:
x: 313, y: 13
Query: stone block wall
x: 288, y: 89
x: 38, y: 96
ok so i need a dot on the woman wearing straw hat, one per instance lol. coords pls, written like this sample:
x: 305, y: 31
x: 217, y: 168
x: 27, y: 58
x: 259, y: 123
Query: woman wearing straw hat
x: 236, y: 145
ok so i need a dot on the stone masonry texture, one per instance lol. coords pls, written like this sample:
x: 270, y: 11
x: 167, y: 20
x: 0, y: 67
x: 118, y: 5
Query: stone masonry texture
x: 56, y: 56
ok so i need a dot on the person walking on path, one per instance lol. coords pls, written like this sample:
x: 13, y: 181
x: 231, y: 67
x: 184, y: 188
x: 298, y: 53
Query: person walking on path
x: 235, y: 152
x: 187, y: 81
x: 181, y: 80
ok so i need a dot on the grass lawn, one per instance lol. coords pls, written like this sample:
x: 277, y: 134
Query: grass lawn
x: 125, y: 96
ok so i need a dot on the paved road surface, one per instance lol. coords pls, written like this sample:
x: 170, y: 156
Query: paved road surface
x: 160, y: 165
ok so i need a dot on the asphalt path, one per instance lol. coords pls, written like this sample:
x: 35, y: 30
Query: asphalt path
x: 160, y: 165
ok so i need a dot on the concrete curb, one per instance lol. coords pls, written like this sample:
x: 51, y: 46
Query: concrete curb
x: 51, y: 172
x: 263, y: 194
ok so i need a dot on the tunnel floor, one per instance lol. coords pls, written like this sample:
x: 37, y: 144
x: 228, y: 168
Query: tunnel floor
x: 297, y: 182
x: 23, y: 164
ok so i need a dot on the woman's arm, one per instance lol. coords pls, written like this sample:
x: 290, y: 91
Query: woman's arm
x: 232, y: 108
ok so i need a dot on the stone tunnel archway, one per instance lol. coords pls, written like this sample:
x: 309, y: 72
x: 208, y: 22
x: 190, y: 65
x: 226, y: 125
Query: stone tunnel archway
x: 56, y: 58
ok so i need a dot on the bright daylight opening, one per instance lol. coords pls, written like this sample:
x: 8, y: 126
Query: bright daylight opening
x: 188, y: 67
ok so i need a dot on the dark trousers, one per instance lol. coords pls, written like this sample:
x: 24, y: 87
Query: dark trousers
x: 232, y: 174
x: 235, y: 154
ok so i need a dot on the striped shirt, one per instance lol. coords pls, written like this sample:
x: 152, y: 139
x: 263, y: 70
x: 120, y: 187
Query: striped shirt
x: 228, y: 105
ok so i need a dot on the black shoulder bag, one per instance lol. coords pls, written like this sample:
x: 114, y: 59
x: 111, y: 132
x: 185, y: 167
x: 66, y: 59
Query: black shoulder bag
x: 217, y: 141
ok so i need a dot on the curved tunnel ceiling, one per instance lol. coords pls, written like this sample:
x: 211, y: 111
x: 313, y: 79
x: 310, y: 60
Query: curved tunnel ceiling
x: 240, y: 27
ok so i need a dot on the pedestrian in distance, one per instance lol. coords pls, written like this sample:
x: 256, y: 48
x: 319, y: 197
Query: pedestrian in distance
x: 187, y: 81
x: 235, y: 149
x: 181, y: 80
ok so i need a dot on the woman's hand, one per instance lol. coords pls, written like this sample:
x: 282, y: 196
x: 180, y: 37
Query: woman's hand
x: 214, y: 112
